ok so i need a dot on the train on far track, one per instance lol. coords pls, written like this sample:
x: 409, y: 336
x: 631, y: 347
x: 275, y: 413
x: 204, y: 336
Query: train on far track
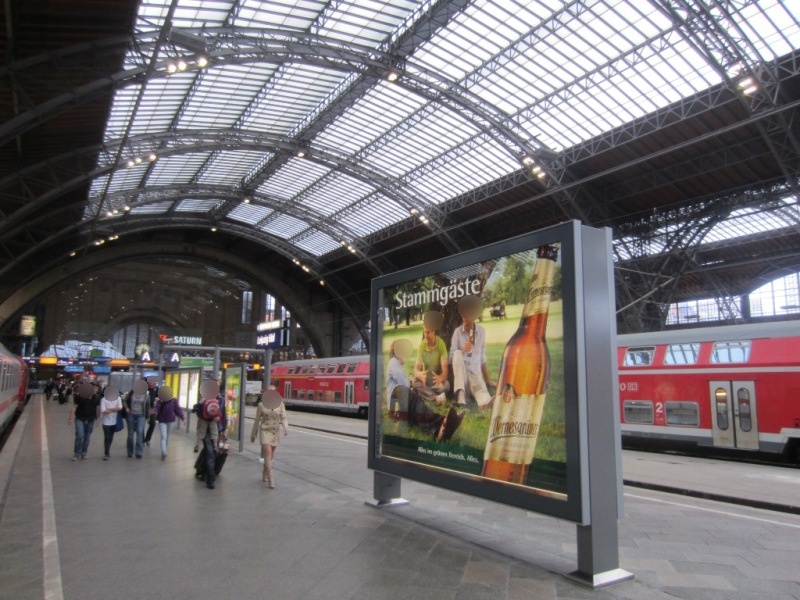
x: 13, y: 385
x: 734, y: 389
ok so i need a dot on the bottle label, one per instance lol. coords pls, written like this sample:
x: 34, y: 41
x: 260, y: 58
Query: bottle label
x: 537, y: 300
x: 514, y: 427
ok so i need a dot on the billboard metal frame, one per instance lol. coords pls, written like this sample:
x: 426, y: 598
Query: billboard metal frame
x: 593, y: 487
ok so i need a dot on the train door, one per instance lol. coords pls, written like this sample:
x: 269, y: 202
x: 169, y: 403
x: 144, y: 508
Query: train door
x: 734, y: 418
x: 349, y: 398
x: 287, y: 389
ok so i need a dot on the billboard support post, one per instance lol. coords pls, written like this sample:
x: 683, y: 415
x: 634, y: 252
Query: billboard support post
x: 598, y: 541
x: 386, y: 491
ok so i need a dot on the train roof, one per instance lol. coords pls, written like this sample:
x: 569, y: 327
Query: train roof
x: 328, y: 361
x: 773, y: 329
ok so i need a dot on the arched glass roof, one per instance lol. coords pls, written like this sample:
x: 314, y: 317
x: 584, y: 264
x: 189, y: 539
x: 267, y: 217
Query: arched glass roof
x: 484, y: 88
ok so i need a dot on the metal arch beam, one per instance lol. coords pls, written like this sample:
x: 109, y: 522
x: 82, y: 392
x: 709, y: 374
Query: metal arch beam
x: 197, y: 141
x: 148, y: 195
x: 138, y: 224
x: 701, y: 102
x: 349, y: 302
x: 57, y: 274
x: 243, y: 46
x: 709, y: 35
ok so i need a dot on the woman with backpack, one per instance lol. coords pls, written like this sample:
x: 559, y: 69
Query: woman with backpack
x: 168, y: 411
x: 271, y: 415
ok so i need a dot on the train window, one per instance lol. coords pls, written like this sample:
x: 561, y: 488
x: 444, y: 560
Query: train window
x: 319, y: 395
x: 337, y: 397
x: 638, y: 411
x: 721, y: 401
x: 686, y: 414
x: 328, y: 395
x: 351, y: 368
x: 745, y: 413
x: 682, y: 354
x: 331, y: 368
x: 341, y: 368
x: 305, y: 370
x: 366, y: 385
x: 639, y: 357
x: 301, y: 395
x: 294, y: 394
x: 312, y: 369
x: 731, y: 352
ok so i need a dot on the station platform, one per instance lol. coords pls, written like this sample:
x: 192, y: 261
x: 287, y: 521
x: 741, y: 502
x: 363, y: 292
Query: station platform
x: 127, y: 528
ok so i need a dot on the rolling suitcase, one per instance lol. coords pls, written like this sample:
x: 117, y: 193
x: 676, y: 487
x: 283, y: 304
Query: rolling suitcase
x: 219, y: 460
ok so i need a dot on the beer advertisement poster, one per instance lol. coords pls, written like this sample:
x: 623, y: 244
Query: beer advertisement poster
x: 475, y: 372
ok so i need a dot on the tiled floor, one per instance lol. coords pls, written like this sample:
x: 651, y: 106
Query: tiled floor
x: 148, y: 529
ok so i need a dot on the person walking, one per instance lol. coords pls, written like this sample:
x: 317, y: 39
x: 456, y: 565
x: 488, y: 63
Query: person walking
x: 271, y: 415
x: 168, y: 411
x: 152, y: 390
x: 138, y: 404
x: 85, y: 411
x: 213, y: 426
x: 110, y: 405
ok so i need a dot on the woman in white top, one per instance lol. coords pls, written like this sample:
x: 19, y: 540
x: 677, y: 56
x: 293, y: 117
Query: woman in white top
x: 110, y: 405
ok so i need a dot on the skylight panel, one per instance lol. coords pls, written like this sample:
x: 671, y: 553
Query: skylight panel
x: 229, y: 167
x: 176, y: 169
x: 297, y: 15
x: 380, y: 110
x: 290, y: 95
x: 365, y: 22
x: 157, y: 208
x: 746, y: 222
x: 160, y: 102
x: 97, y: 187
x: 480, y: 165
x: 283, y: 226
x: 772, y: 26
x: 197, y: 205
x: 335, y: 193
x: 371, y: 215
x: 250, y: 213
x: 223, y: 95
x: 126, y: 179
x: 121, y: 111
x: 201, y: 13
x: 437, y: 133
x: 292, y: 178
x: 316, y: 242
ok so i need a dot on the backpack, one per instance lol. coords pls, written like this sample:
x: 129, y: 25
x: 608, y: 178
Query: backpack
x: 211, y: 409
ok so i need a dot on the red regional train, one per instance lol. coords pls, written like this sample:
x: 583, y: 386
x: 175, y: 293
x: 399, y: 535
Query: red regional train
x: 339, y: 384
x: 13, y: 385
x: 734, y: 387
x: 731, y: 388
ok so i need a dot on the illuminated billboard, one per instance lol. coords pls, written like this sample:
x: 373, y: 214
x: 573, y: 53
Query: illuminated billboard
x: 477, y: 377
x: 27, y: 325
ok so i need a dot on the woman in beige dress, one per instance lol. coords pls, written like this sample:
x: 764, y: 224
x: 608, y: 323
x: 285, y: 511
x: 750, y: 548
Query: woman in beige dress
x: 270, y: 416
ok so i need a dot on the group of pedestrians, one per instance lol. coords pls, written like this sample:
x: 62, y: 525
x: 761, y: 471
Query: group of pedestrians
x: 145, y: 401
x: 143, y: 404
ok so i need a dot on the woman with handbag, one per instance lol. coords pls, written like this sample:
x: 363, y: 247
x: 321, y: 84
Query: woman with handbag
x: 271, y: 415
x: 110, y: 405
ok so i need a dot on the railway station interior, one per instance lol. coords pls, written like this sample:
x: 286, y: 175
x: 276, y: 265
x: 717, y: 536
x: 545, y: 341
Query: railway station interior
x: 214, y: 182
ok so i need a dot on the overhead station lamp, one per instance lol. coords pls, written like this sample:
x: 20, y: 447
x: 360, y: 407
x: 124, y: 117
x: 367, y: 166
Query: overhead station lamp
x: 196, y: 46
x: 529, y: 162
x: 392, y: 75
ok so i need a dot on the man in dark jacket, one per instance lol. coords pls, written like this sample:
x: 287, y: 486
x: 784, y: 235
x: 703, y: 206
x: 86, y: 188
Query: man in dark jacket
x: 152, y: 389
x: 85, y: 411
